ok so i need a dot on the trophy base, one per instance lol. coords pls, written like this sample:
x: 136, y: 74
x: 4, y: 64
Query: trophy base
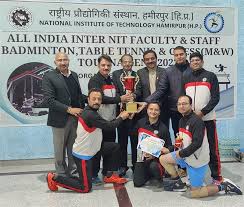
x: 131, y: 107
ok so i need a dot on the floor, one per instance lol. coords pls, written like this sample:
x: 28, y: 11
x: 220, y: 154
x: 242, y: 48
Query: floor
x: 23, y: 183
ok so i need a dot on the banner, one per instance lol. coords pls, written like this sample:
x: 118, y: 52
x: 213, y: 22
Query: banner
x: 32, y: 32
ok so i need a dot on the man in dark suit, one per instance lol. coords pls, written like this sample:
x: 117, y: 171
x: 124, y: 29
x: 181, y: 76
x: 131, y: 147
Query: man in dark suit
x: 63, y: 97
x: 170, y: 85
x: 148, y: 84
x: 125, y: 128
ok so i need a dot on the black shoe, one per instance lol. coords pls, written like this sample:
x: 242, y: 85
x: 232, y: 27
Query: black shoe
x: 122, y: 171
x: 229, y: 186
x: 170, y: 180
x: 168, y: 186
x: 179, y: 186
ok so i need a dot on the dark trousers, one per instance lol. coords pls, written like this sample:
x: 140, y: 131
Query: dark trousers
x: 63, y: 140
x: 214, y: 163
x: 83, y: 184
x: 147, y: 170
x: 125, y: 130
x: 109, y: 135
x: 164, y: 115
x: 110, y: 151
x: 175, y: 117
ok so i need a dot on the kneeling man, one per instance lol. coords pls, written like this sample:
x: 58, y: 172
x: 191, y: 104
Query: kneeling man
x: 87, y: 144
x: 194, y: 154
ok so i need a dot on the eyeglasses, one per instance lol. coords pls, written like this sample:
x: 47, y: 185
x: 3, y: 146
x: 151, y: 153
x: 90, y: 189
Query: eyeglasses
x: 182, y: 104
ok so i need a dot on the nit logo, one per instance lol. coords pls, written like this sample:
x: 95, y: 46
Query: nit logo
x: 155, y: 131
x: 20, y: 18
x: 214, y: 22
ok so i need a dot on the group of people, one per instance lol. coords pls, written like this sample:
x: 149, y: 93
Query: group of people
x: 84, y: 127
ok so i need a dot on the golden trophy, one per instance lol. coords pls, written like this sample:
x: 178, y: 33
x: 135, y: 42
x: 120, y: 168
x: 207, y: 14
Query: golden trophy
x: 129, y: 83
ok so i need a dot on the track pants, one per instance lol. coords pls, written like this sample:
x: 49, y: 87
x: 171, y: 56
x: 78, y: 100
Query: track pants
x: 83, y: 184
x: 147, y: 170
x: 214, y: 163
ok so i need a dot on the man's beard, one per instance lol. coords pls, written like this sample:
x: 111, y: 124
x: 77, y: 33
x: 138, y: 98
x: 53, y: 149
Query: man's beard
x: 96, y: 106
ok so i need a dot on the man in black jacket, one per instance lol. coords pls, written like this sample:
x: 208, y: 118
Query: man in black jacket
x: 63, y: 97
x: 125, y: 128
x: 203, y: 87
x: 170, y: 85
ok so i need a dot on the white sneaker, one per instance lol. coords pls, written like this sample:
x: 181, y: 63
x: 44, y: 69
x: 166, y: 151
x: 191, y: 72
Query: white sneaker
x: 231, y: 187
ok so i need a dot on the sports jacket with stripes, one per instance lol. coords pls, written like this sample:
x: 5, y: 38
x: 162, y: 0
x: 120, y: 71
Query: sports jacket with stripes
x: 89, y: 133
x: 203, y: 87
x: 195, y: 143
x: 157, y: 129
x: 108, y: 109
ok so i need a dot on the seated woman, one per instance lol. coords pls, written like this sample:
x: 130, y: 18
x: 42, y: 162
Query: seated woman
x: 148, y: 166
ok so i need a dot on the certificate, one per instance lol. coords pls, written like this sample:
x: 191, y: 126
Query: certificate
x: 150, y: 144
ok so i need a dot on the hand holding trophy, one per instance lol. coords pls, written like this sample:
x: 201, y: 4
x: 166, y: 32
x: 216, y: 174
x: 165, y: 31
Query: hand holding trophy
x: 178, y: 141
x: 129, y: 82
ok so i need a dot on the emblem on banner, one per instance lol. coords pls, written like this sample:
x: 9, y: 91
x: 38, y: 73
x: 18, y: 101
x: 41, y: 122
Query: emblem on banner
x: 214, y: 22
x: 20, y: 18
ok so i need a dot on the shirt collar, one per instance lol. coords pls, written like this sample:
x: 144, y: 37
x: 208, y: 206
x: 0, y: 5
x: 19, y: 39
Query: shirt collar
x: 103, y: 76
x: 90, y: 108
x: 188, y: 115
x: 197, y: 72
x: 153, y: 125
x: 152, y: 70
x: 66, y: 75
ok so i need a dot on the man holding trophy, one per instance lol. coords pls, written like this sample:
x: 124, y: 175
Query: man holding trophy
x: 125, y: 81
x: 107, y: 110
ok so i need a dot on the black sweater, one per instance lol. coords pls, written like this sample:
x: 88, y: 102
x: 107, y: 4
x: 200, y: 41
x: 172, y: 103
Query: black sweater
x: 92, y: 119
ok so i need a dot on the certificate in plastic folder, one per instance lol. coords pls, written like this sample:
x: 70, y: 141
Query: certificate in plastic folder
x: 150, y: 144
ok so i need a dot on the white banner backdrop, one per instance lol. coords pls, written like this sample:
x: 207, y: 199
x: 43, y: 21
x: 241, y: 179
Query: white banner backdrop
x: 32, y: 32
